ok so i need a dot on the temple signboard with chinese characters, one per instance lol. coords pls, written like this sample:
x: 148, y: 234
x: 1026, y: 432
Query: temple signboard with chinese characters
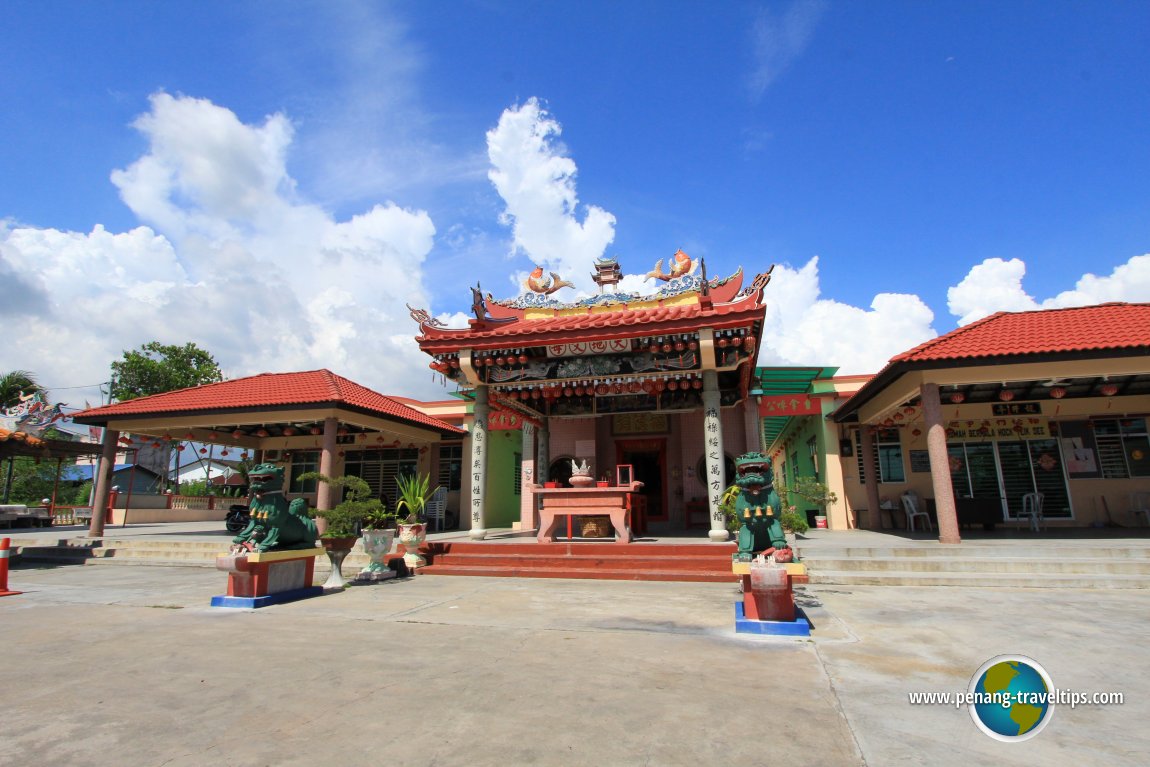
x: 687, y: 349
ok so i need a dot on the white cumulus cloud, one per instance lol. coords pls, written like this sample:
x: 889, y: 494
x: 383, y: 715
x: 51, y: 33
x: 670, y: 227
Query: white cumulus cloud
x: 536, y: 180
x: 995, y: 285
x: 228, y: 258
x: 803, y: 329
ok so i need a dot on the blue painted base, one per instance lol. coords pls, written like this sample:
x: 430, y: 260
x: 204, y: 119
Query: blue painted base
x: 799, y: 627
x: 223, y: 600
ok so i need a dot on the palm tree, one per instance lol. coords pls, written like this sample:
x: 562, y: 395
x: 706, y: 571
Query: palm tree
x: 15, y: 383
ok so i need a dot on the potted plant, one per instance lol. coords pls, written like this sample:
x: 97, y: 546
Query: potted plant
x: 414, y: 493
x: 345, y: 521
x: 815, y: 493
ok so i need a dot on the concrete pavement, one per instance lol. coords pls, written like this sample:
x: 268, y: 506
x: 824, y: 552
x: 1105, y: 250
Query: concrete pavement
x: 129, y: 666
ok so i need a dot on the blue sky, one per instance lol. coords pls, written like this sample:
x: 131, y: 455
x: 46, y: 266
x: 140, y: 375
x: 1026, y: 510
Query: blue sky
x: 275, y: 180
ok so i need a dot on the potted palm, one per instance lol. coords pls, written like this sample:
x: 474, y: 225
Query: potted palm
x: 345, y: 521
x: 414, y: 493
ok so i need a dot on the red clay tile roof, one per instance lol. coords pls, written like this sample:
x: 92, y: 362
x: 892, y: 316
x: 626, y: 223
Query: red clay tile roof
x: 1085, y: 328
x: 269, y: 390
x: 595, y: 326
x: 1114, y: 328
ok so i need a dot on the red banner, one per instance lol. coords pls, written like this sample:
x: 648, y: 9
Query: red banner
x: 789, y: 405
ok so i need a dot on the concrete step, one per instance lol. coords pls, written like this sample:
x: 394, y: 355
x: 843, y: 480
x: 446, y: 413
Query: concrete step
x: 588, y: 573
x: 1021, y: 565
x: 980, y: 580
x: 543, y: 561
x: 1010, y: 550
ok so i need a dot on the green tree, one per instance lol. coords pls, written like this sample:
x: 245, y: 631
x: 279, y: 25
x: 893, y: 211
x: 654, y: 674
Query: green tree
x: 15, y: 383
x: 156, y: 368
x: 32, y: 480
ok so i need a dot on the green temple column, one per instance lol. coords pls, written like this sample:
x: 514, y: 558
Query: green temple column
x: 479, y: 464
x: 542, y: 453
x: 713, y: 442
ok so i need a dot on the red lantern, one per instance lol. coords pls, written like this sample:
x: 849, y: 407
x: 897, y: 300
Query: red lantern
x: 692, y: 345
x: 680, y: 346
x: 673, y: 385
x: 723, y: 343
x: 958, y: 398
x: 1006, y: 395
x: 489, y: 361
x: 601, y: 389
x: 648, y: 386
x: 633, y: 387
x: 660, y: 385
x: 203, y: 451
x: 501, y: 361
x: 523, y: 359
x: 653, y: 348
x: 668, y: 348
x: 237, y: 434
x: 737, y: 341
x: 1108, y: 389
x: 316, y: 430
x: 696, y: 384
x: 568, y: 391
x: 289, y: 431
x: 1058, y: 392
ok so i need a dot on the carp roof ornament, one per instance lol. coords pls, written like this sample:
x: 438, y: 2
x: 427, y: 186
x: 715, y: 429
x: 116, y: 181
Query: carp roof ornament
x: 680, y: 264
x: 537, y: 283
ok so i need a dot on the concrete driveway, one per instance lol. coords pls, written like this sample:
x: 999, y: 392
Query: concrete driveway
x: 127, y: 665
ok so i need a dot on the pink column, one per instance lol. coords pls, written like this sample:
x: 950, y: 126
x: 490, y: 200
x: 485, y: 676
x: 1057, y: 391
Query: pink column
x: 323, y: 496
x: 939, y: 465
x: 103, y: 483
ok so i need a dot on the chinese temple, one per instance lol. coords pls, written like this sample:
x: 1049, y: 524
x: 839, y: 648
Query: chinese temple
x: 645, y: 388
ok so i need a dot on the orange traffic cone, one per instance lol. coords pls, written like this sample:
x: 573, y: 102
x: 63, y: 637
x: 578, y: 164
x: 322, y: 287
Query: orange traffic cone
x: 4, y: 592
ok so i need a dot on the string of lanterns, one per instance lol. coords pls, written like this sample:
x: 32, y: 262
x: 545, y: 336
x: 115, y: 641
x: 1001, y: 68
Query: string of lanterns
x: 602, y: 387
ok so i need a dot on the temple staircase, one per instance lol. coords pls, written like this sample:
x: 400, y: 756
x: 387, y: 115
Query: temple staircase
x: 707, y: 562
x: 1013, y: 564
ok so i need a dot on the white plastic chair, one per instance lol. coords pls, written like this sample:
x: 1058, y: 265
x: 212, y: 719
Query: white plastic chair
x: 910, y: 505
x: 1032, y: 510
x: 436, y: 509
x: 1140, y: 504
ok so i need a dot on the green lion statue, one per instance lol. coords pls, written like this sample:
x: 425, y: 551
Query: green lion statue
x: 276, y: 525
x: 757, y: 508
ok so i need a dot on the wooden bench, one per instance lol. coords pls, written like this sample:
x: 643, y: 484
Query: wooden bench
x: 585, y: 501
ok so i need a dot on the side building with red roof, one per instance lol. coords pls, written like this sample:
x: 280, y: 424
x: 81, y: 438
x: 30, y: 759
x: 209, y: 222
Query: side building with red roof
x: 1053, y: 405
